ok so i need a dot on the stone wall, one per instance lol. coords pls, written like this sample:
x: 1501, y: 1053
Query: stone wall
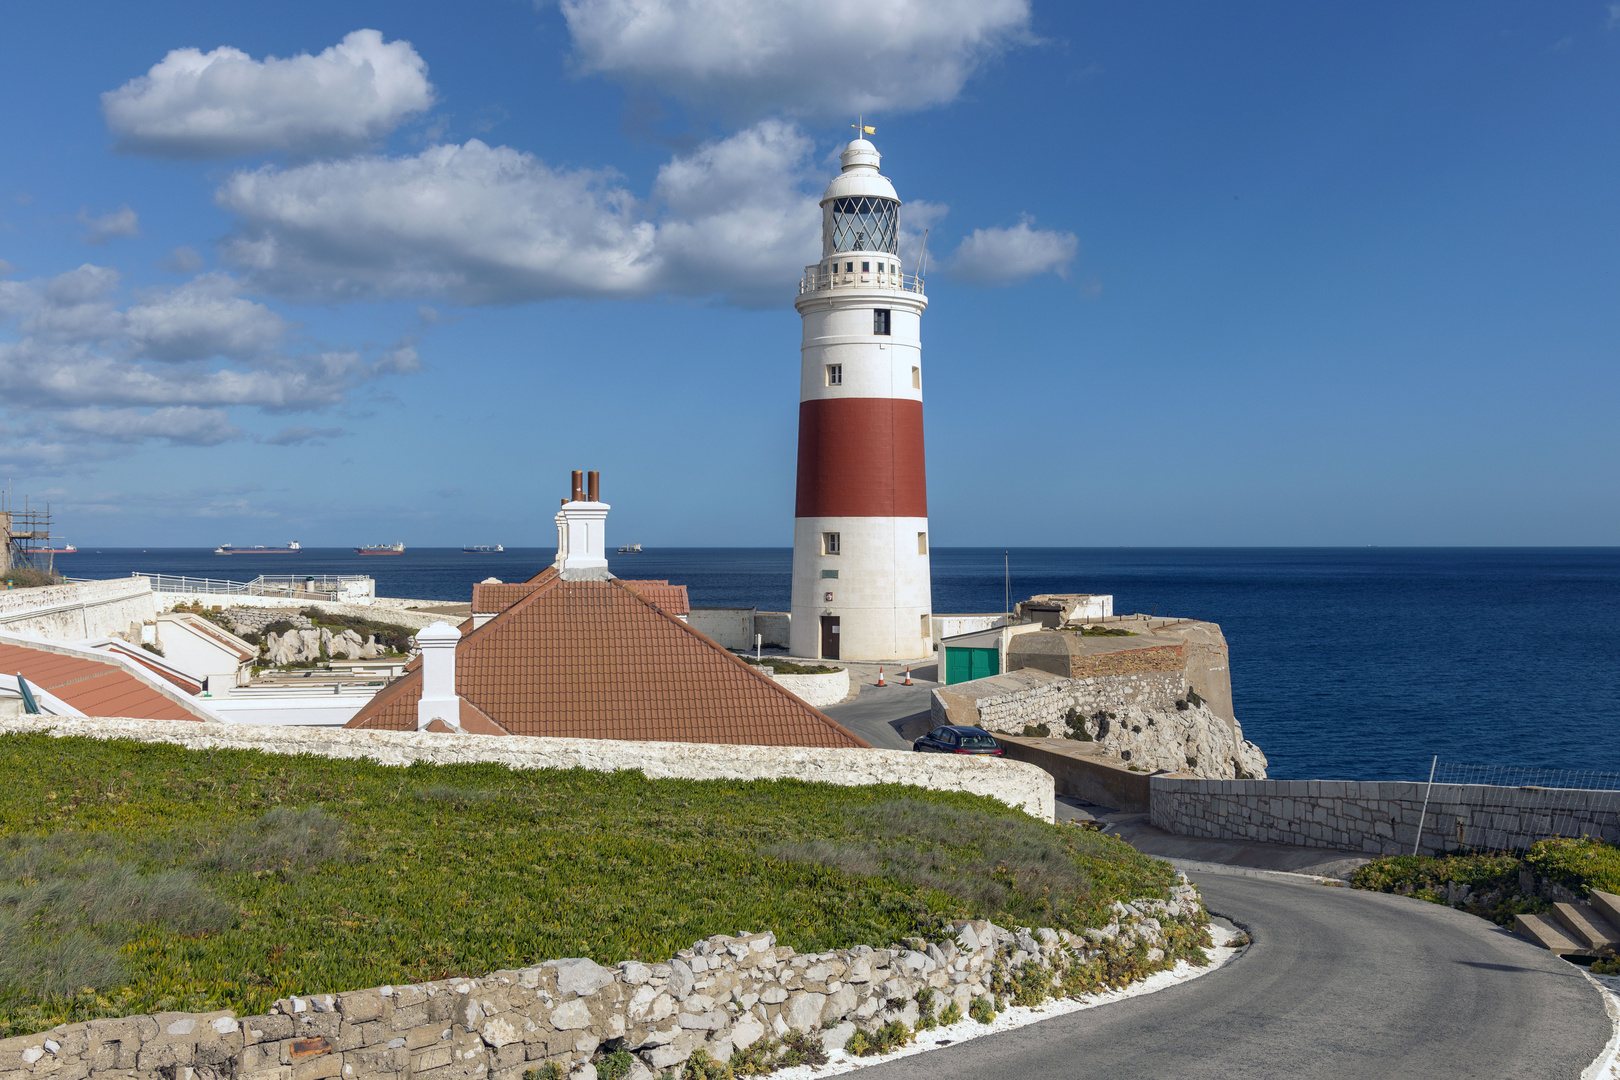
x: 1133, y: 716
x: 1379, y: 818
x: 773, y: 627
x: 1012, y: 782
x: 722, y: 994
x: 81, y: 610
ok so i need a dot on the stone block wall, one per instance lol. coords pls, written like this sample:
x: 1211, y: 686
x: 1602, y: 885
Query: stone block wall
x: 1011, y: 782
x: 1051, y: 702
x: 723, y: 993
x: 818, y: 690
x: 1379, y: 818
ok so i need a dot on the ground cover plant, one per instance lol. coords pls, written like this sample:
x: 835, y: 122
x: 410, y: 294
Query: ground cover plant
x: 26, y: 577
x: 142, y: 877
x: 1492, y: 885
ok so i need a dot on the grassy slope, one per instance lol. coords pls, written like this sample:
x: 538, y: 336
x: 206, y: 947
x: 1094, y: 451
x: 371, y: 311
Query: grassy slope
x: 470, y: 868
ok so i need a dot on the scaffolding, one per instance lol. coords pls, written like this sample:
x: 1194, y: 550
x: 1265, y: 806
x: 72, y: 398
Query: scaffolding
x: 25, y: 536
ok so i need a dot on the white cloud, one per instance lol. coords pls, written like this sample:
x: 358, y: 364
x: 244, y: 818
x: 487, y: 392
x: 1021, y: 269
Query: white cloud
x: 121, y: 222
x: 1614, y: 16
x: 482, y: 224
x: 299, y: 434
x: 224, y: 103
x: 803, y: 57
x: 87, y: 373
x: 1005, y: 256
x: 201, y: 319
x: 180, y: 425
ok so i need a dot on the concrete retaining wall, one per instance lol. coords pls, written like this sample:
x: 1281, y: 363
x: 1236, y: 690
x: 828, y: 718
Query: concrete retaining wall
x: 88, y: 609
x: 728, y: 627
x: 1012, y: 782
x: 1379, y: 818
x: 1096, y: 781
x: 773, y: 626
x: 817, y: 690
x: 723, y: 993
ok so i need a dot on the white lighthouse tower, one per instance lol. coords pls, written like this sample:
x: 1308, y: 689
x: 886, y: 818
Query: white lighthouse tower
x: 860, y: 532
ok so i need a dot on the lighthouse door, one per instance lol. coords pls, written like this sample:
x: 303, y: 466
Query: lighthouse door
x: 829, y: 637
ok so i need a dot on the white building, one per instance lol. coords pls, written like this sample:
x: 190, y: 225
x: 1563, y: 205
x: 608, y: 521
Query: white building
x: 861, y: 588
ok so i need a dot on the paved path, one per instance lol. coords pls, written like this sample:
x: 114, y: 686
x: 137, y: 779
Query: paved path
x: 1338, y: 984
x: 881, y: 713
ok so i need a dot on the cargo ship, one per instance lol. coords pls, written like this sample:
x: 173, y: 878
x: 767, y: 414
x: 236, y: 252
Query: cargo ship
x: 630, y: 549
x: 65, y: 549
x: 258, y: 549
x: 482, y: 549
x: 397, y: 548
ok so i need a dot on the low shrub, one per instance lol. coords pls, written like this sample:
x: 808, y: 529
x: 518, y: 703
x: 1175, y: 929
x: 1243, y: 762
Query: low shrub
x: 1036, y: 731
x: 1103, y: 631
x: 926, y: 1021
x: 614, y: 1064
x: 983, y: 1010
x: 769, y: 1055
x: 26, y: 577
x: 1581, y: 864
x: 1606, y: 965
x: 549, y: 1071
x: 1492, y: 885
x: 950, y: 1014
x: 786, y: 667
x: 700, y: 1066
x: 890, y: 1037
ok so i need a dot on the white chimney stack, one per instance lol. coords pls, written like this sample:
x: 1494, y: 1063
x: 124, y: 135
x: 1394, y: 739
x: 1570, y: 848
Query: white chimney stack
x: 582, y: 532
x: 439, y: 698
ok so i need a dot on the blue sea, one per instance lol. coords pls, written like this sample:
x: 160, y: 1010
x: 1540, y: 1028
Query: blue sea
x: 1346, y: 662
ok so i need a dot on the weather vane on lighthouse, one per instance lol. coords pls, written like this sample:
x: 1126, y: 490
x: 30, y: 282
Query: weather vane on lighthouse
x: 861, y: 582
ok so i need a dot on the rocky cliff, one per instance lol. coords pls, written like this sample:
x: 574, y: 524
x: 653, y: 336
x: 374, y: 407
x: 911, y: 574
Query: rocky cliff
x: 319, y: 643
x: 1155, y: 694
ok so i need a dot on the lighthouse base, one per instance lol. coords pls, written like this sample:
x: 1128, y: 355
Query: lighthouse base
x: 861, y: 589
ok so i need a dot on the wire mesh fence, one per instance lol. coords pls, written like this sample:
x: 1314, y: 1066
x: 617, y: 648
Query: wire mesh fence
x: 1508, y: 807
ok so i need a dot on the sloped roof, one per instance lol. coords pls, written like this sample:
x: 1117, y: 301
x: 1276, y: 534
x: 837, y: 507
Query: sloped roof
x: 96, y: 687
x: 596, y: 660
x: 490, y: 598
x: 672, y: 598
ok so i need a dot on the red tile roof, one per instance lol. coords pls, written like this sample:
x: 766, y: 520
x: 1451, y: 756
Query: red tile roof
x: 672, y: 598
x: 597, y: 660
x: 94, y: 687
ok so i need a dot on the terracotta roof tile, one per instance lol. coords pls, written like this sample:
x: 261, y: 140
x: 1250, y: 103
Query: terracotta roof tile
x: 598, y: 660
x: 672, y: 598
x: 94, y: 687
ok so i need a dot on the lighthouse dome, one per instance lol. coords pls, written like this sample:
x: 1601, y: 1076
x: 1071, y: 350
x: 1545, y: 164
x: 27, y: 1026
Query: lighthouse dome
x: 860, y: 176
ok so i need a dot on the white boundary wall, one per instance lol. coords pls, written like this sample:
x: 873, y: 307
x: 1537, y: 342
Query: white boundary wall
x: 1012, y: 782
x: 76, y: 612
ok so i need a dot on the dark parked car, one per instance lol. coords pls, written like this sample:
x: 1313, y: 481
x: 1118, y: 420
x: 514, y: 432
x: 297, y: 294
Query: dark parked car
x: 958, y: 740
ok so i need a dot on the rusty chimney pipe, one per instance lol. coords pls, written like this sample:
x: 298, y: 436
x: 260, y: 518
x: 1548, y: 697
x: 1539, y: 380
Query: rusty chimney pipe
x: 595, y: 491
x: 579, y: 486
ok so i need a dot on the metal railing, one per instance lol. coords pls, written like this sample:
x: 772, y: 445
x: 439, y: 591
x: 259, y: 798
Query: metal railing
x: 313, y: 588
x: 816, y: 279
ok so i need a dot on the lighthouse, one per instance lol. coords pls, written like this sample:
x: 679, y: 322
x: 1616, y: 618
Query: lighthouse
x: 860, y: 531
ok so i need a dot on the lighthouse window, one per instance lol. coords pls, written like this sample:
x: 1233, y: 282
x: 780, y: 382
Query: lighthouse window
x: 866, y: 268
x: 849, y: 268
x: 835, y: 374
x: 830, y: 544
x: 922, y: 543
x: 880, y: 321
x: 916, y: 378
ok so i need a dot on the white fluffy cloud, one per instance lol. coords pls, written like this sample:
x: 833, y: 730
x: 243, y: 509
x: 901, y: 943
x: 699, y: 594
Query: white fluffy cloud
x: 202, y: 318
x: 86, y: 372
x: 802, y: 57
x: 484, y: 224
x: 193, y: 104
x: 1005, y: 256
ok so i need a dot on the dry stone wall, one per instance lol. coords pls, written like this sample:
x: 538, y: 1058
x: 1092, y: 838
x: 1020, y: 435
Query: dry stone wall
x: 722, y: 994
x: 1380, y: 817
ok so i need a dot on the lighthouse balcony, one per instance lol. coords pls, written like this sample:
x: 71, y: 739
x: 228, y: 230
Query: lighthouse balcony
x: 818, y: 278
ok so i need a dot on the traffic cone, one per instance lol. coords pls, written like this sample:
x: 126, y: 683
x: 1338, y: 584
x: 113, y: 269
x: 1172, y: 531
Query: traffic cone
x: 908, y: 676
x: 880, y: 681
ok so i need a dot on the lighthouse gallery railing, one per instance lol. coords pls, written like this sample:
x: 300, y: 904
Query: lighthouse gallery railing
x: 816, y: 279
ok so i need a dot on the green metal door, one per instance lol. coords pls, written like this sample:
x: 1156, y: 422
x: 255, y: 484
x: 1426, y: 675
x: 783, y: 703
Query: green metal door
x: 963, y: 665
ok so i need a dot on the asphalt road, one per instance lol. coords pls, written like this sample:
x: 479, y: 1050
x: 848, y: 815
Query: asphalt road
x: 880, y: 712
x: 1338, y: 983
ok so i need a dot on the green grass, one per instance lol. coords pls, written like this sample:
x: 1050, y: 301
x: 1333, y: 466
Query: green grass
x: 143, y: 877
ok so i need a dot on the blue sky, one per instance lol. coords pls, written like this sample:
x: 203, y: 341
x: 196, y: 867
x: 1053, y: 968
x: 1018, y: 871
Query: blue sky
x: 1200, y: 275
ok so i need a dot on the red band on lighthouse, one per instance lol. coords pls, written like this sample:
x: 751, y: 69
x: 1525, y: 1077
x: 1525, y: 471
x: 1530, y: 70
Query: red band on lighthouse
x: 861, y: 457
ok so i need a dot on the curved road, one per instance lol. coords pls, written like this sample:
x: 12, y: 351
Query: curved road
x: 1338, y: 983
